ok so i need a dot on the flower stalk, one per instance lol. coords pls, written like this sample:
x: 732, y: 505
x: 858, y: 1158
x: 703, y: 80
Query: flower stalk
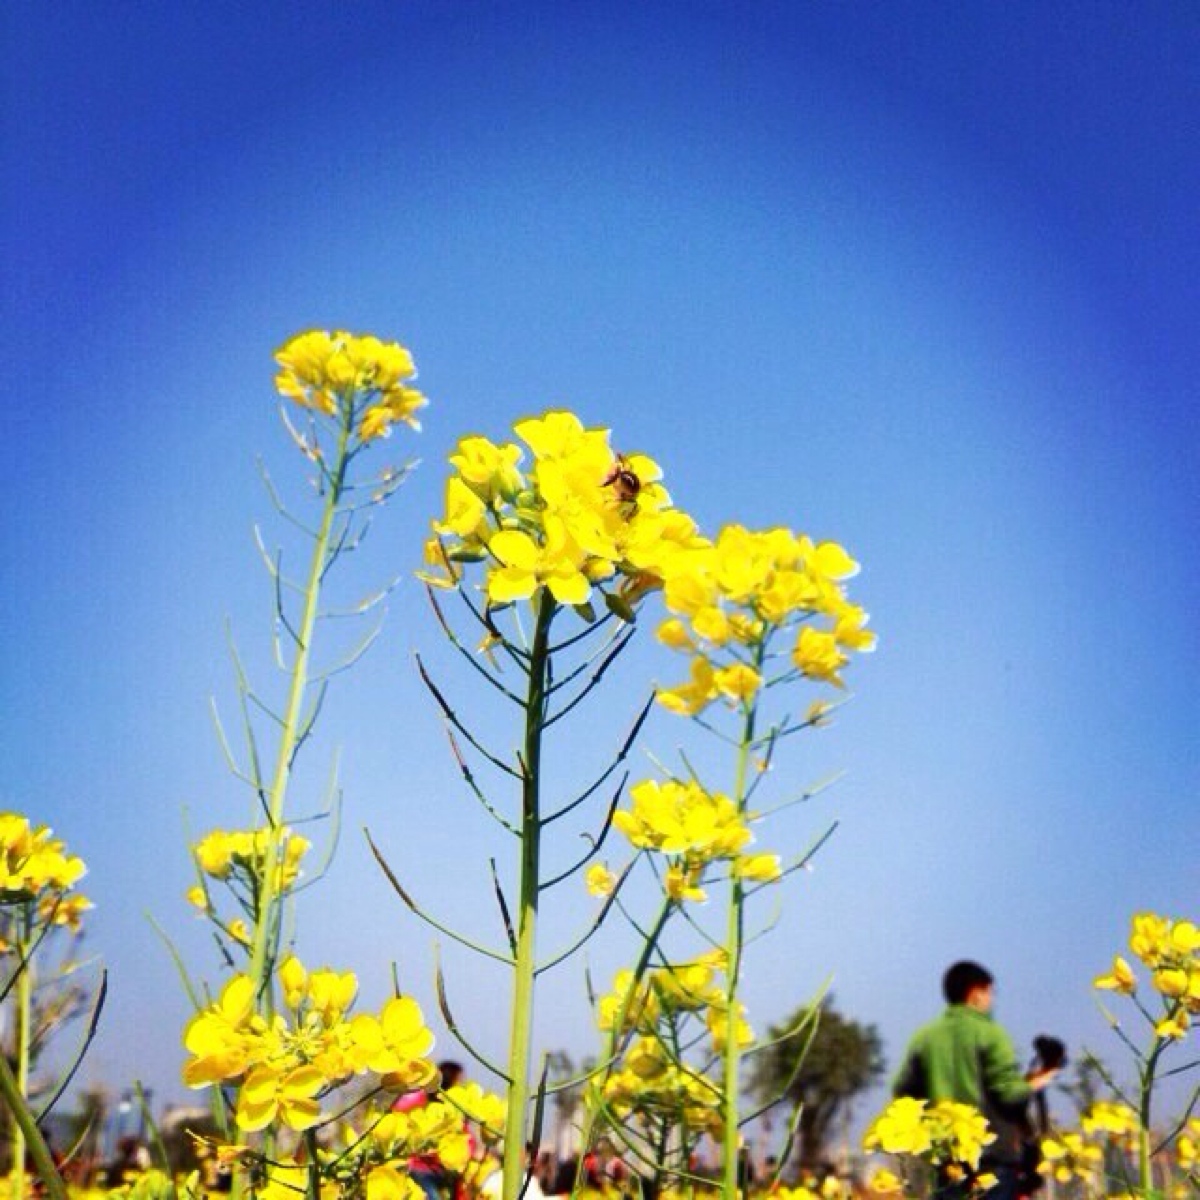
x: 28, y: 1139
x: 734, y: 938
x: 265, y: 948
x: 37, y: 900
x: 24, y: 1018
x: 524, y: 970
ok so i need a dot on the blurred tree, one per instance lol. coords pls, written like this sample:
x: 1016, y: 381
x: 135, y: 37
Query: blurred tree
x: 1087, y: 1083
x: 823, y: 1075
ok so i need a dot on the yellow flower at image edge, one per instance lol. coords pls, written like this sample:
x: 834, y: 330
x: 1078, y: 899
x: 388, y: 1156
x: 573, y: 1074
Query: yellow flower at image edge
x: 32, y: 860
x: 885, y: 1181
x: 389, y: 1183
x: 269, y: 1094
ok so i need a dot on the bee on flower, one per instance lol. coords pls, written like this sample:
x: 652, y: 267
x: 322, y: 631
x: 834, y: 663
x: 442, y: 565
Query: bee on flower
x: 578, y: 516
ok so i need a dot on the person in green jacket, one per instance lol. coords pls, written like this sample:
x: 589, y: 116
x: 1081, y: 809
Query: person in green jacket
x: 965, y: 1055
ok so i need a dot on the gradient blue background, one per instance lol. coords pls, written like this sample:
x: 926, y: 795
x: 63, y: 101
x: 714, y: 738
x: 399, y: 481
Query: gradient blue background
x: 921, y: 278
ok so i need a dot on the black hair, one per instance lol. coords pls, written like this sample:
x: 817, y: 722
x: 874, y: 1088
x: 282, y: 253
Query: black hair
x: 451, y: 1072
x: 962, y: 979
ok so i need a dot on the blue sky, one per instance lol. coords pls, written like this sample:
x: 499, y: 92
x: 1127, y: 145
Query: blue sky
x: 922, y: 279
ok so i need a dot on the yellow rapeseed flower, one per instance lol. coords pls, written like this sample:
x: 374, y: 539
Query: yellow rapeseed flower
x: 354, y: 378
x: 389, y: 1182
x: 394, y: 1043
x: 1070, y: 1156
x: 718, y: 1019
x: 628, y: 1006
x: 486, y: 1109
x: 900, y: 1129
x: 222, y: 1038
x: 293, y: 980
x: 600, y: 880
x: 269, y: 1094
x: 1171, y: 981
x: 682, y: 883
x: 524, y: 567
x: 1150, y: 938
x: 761, y: 868
x: 330, y: 993
x: 32, y: 861
x: 674, y: 633
x: 1187, y: 1147
x: 678, y: 817
x: 1120, y: 979
x: 1185, y: 937
x: 64, y: 911
x: 738, y: 682
x: 816, y: 654
x: 489, y: 470
x: 577, y: 517
x: 1173, y: 1027
x: 1111, y: 1118
x: 693, y: 697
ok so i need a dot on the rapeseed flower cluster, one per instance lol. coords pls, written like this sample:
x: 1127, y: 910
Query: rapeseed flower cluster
x: 1170, y: 951
x: 373, y: 1154
x: 1110, y: 1119
x: 1079, y: 1153
x: 692, y: 828
x: 666, y: 993
x: 654, y: 1087
x: 732, y: 597
x: 811, y: 1188
x: 284, y: 1064
x: 358, y: 380
x: 947, y: 1134
x: 38, y: 876
x: 238, y: 859
x: 654, y: 1084
x: 240, y: 855
x: 33, y: 861
x: 1187, y: 1147
x: 439, y: 1127
x: 1071, y: 1155
x: 578, y: 516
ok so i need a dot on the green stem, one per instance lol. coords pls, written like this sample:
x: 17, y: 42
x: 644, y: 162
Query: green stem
x: 521, y: 1029
x: 24, y: 1016
x: 734, y: 939
x: 314, y: 1166
x: 1145, y: 1099
x: 616, y: 1033
x: 266, y: 929
x: 26, y: 1136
